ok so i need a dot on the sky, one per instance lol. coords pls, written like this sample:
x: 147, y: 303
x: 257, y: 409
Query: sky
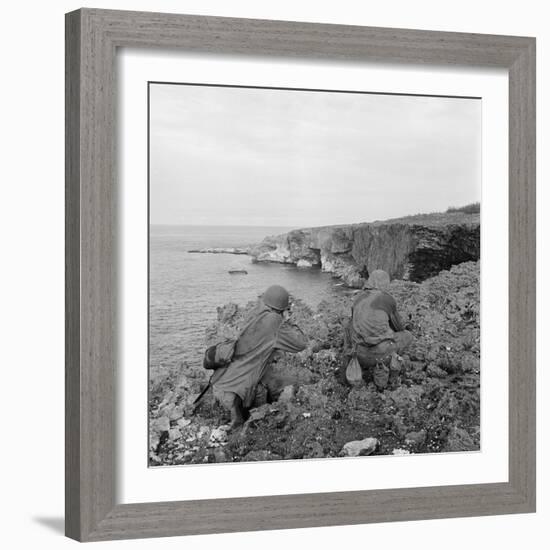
x: 287, y: 158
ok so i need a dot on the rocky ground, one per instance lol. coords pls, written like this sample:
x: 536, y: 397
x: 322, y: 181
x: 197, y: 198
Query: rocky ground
x: 431, y: 403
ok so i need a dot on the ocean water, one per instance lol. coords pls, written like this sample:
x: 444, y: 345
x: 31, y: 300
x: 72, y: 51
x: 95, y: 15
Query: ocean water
x: 185, y: 289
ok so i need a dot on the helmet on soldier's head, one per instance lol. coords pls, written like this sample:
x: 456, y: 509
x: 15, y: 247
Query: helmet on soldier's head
x: 378, y: 280
x: 276, y: 297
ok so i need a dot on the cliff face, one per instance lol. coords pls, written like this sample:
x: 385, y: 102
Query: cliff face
x: 413, y: 248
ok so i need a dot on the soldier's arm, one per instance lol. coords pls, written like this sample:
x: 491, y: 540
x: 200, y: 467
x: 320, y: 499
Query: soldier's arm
x: 290, y: 338
x: 396, y: 323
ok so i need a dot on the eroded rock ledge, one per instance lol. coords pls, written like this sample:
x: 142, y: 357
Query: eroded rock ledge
x: 219, y: 250
x: 413, y: 248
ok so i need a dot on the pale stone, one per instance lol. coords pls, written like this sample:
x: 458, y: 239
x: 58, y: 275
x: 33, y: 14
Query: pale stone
x: 175, y: 414
x: 161, y: 424
x: 287, y: 394
x: 174, y: 434
x: 400, y: 452
x: 203, y: 431
x: 154, y: 441
x: 218, y: 435
x: 363, y: 447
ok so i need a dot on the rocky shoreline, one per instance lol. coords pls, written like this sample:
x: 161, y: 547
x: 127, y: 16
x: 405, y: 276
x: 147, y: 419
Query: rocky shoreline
x: 431, y: 403
x: 412, y: 248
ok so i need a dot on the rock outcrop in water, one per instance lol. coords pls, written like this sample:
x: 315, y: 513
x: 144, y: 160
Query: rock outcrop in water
x: 219, y: 250
x: 413, y: 248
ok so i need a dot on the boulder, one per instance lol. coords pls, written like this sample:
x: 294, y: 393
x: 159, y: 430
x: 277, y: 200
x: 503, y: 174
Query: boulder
x: 175, y: 414
x: 161, y: 424
x: 174, y: 434
x: 167, y: 409
x: 218, y: 435
x: 363, y: 447
x: 286, y: 395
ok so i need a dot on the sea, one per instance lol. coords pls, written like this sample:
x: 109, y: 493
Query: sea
x: 185, y: 289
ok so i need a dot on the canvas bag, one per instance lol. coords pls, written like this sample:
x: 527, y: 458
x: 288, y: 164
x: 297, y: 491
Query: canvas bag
x: 354, y: 374
x: 219, y: 355
x: 216, y: 357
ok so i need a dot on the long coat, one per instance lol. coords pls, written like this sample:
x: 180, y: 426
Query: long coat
x: 265, y: 333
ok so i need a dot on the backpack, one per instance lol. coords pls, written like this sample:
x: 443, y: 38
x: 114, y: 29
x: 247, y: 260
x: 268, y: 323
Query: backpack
x: 219, y: 355
x: 216, y: 357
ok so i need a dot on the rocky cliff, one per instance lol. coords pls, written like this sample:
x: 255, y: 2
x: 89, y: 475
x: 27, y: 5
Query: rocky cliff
x: 413, y: 248
x: 430, y: 402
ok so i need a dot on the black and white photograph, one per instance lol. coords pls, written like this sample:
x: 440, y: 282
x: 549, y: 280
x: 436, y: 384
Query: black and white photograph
x: 270, y: 275
x: 314, y: 274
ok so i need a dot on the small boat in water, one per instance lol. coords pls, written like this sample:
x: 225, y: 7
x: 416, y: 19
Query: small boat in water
x: 238, y: 272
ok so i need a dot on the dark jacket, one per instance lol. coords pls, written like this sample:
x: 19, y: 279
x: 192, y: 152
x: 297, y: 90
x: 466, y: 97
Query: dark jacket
x: 374, y: 318
x: 266, y: 332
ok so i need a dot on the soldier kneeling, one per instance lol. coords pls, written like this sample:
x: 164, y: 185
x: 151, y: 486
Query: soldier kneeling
x: 267, y: 330
x: 375, y: 331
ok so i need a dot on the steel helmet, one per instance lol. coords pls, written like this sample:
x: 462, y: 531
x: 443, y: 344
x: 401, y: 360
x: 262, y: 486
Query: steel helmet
x: 276, y: 297
x: 378, y: 280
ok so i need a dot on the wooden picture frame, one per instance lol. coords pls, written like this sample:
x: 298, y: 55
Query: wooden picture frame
x: 92, y: 39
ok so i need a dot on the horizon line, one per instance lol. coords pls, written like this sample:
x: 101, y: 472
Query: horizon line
x: 218, y: 225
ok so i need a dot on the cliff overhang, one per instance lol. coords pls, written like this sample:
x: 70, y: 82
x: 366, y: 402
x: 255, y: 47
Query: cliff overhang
x: 413, y: 248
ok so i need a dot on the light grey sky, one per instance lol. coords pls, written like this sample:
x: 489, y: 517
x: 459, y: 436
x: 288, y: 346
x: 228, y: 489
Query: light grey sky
x: 234, y: 156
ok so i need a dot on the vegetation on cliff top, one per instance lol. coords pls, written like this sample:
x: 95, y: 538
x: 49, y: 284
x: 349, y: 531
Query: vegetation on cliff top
x: 472, y: 208
x: 431, y: 403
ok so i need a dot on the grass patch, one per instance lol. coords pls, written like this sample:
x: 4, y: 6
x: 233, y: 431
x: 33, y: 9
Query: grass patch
x: 473, y: 208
